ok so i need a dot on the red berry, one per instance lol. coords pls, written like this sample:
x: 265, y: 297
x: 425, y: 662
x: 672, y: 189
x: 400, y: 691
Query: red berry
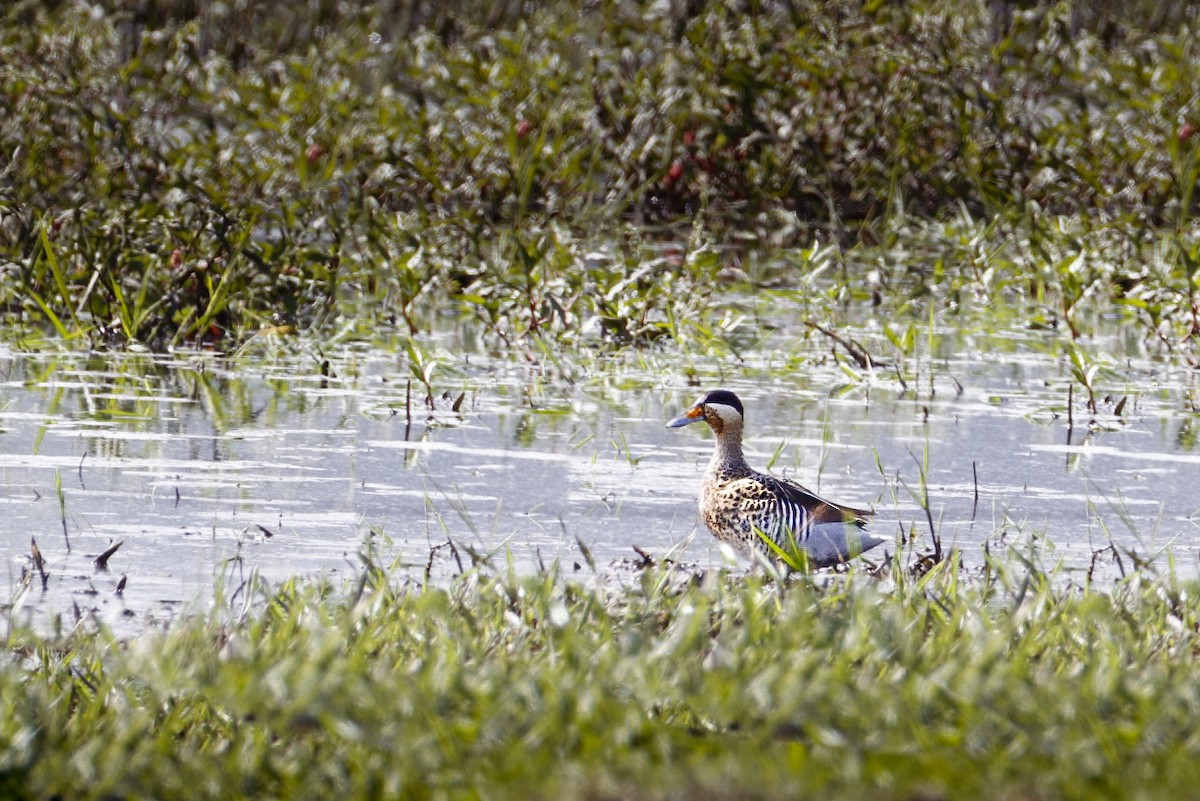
x: 1186, y: 131
x: 524, y: 128
x: 315, y: 152
x: 675, y: 172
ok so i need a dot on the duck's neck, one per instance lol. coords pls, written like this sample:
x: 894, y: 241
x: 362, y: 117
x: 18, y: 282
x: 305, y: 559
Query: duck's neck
x: 727, y: 457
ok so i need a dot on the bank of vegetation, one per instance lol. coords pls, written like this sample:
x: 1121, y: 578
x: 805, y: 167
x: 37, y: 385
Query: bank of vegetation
x: 176, y: 172
x: 1012, y: 683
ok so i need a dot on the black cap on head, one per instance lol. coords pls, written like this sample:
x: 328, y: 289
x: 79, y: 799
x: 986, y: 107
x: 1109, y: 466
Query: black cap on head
x: 724, y: 396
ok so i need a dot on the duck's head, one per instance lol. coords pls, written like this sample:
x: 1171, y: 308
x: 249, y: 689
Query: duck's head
x: 719, y: 408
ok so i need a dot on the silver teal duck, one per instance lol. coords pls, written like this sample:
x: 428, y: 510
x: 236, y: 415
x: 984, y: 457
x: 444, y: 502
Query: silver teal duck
x: 743, y: 507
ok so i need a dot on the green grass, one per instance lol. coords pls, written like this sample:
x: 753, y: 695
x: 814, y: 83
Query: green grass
x: 1007, y: 684
x: 181, y: 173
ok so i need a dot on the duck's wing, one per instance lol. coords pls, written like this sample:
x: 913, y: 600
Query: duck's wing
x: 821, y: 510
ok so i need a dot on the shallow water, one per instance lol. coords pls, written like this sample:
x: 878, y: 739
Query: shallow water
x: 207, y: 468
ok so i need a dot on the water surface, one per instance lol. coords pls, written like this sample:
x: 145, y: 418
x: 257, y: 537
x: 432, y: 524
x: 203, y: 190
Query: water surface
x: 206, y: 467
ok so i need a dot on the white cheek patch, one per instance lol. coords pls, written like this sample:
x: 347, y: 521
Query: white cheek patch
x: 728, y: 414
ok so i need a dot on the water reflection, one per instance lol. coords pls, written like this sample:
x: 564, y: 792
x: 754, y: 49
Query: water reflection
x: 202, y: 465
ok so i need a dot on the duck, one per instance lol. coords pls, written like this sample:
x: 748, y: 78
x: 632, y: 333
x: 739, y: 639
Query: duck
x: 745, y: 508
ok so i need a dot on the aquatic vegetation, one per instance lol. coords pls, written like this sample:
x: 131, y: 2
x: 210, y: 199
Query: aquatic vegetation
x: 175, y: 173
x: 661, y: 684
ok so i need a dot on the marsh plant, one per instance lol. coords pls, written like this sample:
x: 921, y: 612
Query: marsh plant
x: 1012, y: 682
x: 174, y: 172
